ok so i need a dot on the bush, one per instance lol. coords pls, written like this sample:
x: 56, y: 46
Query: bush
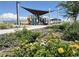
x: 27, y: 50
x: 5, y: 25
x: 14, y: 39
x: 71, y: 32
x: 71, y: 36
x: 49, y: 47
x: 43, y: 53
x: 27, y: 35
x: 8, y: 40
x: 63, y: 26
x: 59, y: 28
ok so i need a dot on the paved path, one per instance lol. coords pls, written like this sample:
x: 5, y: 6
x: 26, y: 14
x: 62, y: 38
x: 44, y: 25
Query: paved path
x: 28, y: 27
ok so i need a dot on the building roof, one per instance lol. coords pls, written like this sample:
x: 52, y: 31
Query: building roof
x: 55, y: 19
x: 36, y: 12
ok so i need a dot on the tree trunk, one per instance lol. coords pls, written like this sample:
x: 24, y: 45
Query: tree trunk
x: 71, y: 20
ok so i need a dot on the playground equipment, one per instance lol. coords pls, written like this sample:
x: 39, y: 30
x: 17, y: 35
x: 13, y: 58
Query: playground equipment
x: 31, y: 20
x: 36, y: 18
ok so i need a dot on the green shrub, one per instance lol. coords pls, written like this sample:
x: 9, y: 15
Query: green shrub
x: 51, y: 47
x: 63, y: 26
x: 9, y: 40
x: 46, y: 48
x: 71, y: 36
x: 43, y: 53
x: 14, y: 39
x: 27, y: 50
x: 5, y: 25
x: 71, y: 32
x: 59, y: 28
x: 27, y: 35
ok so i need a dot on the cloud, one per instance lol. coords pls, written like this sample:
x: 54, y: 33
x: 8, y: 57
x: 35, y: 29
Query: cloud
x: 10, y: 17
x: 45, y: 16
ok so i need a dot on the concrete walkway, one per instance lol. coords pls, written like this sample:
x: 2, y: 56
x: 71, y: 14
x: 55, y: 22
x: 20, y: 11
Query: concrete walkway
x: 28, y: 27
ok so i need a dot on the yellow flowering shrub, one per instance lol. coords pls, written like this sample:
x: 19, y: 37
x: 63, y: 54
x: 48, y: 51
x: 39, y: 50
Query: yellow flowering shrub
x: 60, y: 50
x: 47, y: 47
x: 74, y: 46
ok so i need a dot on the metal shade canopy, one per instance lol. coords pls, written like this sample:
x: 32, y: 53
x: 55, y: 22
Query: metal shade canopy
x: 36, y: 12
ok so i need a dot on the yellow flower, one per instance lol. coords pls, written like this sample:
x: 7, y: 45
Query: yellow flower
x: 77, y: 46
x: 74, y: 46
x: 71, y: 46
x: 60, y: 50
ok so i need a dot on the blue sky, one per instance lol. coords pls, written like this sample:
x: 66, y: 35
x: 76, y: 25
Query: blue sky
x: 10, y: 7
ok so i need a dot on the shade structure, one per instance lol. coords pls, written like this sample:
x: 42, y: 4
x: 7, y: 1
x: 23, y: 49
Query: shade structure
x: 36, y: 12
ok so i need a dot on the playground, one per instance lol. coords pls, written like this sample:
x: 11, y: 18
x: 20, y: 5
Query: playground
x: 34, y: 21
x: 36, y: 17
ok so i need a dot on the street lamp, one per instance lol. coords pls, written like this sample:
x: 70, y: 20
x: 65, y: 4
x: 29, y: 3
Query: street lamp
x: 49, y: 16
x: 17, y: 11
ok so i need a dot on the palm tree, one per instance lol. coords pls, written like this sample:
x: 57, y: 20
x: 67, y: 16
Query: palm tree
x: 71, y: 9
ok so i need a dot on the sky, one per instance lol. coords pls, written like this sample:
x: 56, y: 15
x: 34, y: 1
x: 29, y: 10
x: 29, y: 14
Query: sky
x: 8, y: 8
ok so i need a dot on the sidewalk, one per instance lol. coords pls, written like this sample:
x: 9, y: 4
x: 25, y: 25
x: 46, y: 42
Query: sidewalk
x: 28, y: 27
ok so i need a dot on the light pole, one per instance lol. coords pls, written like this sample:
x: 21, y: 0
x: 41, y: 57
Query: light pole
x: 17, y: 12
x: 49, y: 16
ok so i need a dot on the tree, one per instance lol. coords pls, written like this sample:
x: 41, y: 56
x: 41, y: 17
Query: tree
x: 71, y: 9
